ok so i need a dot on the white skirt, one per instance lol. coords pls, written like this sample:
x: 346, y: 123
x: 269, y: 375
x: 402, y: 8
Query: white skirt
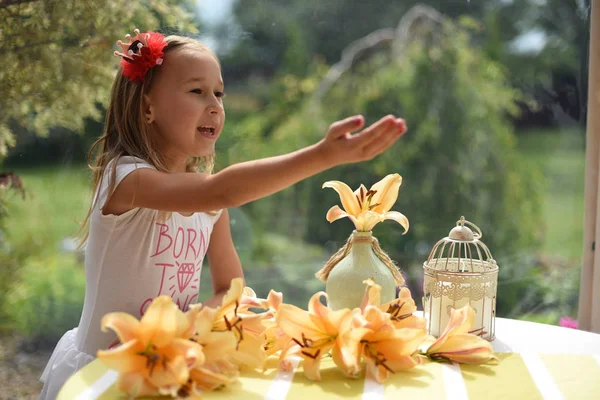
x: 66, y: 359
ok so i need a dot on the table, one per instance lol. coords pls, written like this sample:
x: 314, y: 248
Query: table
x: 537, y: 361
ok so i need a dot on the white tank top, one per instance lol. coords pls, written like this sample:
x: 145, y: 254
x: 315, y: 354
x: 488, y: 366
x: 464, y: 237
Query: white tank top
x: 133, y: 258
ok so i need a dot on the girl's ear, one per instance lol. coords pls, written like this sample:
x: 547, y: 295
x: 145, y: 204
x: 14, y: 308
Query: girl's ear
x: 148, y: 109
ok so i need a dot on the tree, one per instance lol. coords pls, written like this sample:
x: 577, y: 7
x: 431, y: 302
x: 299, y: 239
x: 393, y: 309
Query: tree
x: 566, y: 23
x: 558, y: 75
x: 329, y: 26
x: 56, y: 59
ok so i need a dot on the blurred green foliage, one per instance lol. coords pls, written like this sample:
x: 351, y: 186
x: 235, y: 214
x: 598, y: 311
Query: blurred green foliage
x: 47, y: 299
x: 55, y: 57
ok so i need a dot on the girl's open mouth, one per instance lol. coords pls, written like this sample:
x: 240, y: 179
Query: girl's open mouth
x: 207, y: 131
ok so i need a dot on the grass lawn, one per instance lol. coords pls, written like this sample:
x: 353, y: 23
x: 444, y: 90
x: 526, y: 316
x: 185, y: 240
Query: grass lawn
x: 561, y: 157
x: 57, y: 201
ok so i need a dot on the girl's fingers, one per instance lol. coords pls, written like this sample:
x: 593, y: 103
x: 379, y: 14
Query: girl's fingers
x: 374, y: 130
x: 381, y: 129
x: 340, y: 128
x: 385, y: 140
x: 377, y: 147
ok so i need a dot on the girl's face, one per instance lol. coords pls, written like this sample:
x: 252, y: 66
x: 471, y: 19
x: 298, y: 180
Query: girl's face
x: 185, y: 105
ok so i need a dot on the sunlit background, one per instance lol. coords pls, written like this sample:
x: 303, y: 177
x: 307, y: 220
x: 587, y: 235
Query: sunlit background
x: 493, y: 91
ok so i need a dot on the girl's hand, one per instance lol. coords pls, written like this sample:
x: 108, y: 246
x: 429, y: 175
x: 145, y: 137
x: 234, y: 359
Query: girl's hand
x: 341, y: 147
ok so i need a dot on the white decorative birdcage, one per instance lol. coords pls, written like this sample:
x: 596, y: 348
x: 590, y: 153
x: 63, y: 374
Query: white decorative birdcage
x: 460, y: 270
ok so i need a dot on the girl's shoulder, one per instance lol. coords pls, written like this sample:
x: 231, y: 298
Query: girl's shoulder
x: 127, y: 163
x: 114, y: 172
x: 119, y: 167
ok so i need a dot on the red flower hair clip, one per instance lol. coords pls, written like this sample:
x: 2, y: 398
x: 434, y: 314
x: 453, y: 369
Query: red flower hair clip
x: 144, y: 51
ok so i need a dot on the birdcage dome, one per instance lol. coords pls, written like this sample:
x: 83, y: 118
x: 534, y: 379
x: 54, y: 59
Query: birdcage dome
x: 462, y: 251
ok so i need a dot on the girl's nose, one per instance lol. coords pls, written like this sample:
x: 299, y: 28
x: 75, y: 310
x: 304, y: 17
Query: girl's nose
x: 215, y: 109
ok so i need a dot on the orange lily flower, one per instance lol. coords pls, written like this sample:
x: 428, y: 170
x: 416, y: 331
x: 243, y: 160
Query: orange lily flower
x: 216, y: 346
x: 155, y: 355
x: 276, y: 339
x: 385, y: 348
x: 386, y: 336
x: 458, y: 343
x: 366, y: 208
x: 401, y: 310
x: 234, y: 315
x: 313, y: 333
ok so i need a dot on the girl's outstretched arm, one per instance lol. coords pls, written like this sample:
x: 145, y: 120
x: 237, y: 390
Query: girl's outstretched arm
x: 224, y: 262
x: 241, y: 183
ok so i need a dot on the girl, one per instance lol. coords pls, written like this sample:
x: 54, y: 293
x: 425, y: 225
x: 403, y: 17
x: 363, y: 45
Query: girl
x: 153, y: 216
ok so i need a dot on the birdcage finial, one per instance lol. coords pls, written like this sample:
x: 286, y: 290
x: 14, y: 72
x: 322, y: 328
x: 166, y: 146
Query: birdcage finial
x: 463, y: 233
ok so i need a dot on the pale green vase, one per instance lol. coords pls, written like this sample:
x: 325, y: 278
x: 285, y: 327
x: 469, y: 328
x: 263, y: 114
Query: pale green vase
x: 345, y: 287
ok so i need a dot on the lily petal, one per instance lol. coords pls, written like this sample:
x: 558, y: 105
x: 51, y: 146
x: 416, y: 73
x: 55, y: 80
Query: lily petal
x: 408, y: 304
x: 136, y: 385
x: 248, y: 291
x: 218, y: 345
x: 335, y: 213
x: 401, y: 311
x: 207, y: 380
x: 294, y: 322
x: 274, y: 299
x: 253, y: 323
x: 402, y: 342
x: 376, y: 319
x: 387, y: 193
x: 372, y: 296
x: 250, y: 352
x: 329, y: 319
x: 426, y: 344
x: 368, y: 220
x: 403, y: 363
x: 465, y: 348
x: 162, y: 322
x: 399, y: 218
x: 312, y: 365
x: 191, y: 352
x: 271, y: 302
x: 347, y: 349
x: 380, y: 373
x: 124, y: 325
x: 124, y: 358
x: 461, y: 321
x: 170, y: 375
x: 276, y: 339
x: 347, y: 197
x: 236, y: 289
x: 203, y: 322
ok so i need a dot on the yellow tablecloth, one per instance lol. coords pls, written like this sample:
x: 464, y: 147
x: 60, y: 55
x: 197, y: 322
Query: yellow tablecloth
x: 517, y: 376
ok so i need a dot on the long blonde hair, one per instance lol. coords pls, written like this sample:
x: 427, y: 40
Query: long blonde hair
x: 126, y: 132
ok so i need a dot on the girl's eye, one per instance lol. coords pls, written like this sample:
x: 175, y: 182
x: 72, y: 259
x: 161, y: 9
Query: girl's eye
x: 219, y: 94
x: 197, y: 91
